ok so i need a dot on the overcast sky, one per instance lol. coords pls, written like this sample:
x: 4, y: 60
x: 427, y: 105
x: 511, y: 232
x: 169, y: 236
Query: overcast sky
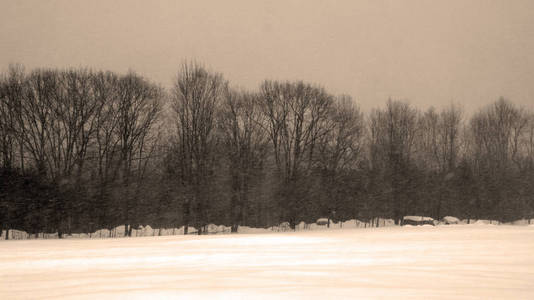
x: 427, y: 52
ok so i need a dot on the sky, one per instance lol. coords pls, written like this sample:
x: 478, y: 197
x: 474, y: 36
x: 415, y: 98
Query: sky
x: 429, y: 53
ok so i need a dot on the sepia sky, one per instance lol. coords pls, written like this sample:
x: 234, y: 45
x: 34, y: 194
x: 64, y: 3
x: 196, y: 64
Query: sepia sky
x: 427, y: 52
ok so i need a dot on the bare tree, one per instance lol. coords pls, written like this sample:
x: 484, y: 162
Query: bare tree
x: 340, y: 149
x: 105, y: 146
x: 11, y: 91
x: 11, y: 94
x: 196, y: 97
x: 294, y: 112
x: 138, y: 108
x: 240, y: 120
x: 528, y: 143
x: 497, y: 132
x: 439, y: 146
x: 393, y: 133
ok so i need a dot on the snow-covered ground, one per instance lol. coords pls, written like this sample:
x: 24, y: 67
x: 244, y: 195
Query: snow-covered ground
x: 424, y: 262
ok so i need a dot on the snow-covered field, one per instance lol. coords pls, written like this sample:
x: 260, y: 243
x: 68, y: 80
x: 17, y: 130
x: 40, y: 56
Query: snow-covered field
x: 425, y: 262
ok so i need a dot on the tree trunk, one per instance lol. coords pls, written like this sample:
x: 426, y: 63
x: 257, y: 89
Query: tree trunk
x: 200, y: 220
x: 438, y: 206
x: 186, y: 214
x: 233, y: 211
x: 21, y: 153
x: 69, y: 223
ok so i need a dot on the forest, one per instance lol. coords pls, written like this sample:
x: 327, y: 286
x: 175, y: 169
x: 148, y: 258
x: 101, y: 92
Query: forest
x: 83, y: 150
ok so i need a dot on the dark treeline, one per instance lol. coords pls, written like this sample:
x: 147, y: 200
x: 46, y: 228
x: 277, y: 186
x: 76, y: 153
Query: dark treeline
x: 83, y: 150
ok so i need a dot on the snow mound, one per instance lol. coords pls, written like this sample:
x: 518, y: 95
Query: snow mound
x: 418, y: 218
x: 451, y: 220
x: 322, y: 221
x: 350, y: 223
x: 212, y: 228
x: 223, y: 229
x: 485, y: 222
x: 302, y: 226
x: 284, y: 226
x: 522, y: 222
x: 247, y: 229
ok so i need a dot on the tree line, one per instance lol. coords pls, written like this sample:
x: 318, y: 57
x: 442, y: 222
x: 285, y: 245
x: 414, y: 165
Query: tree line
x: 82, y: 150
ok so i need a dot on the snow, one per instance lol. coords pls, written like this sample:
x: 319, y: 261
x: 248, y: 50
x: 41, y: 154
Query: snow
x: 451, y: 220
x: 484, y: 222
x: 247, y: 229
x: 418, y: 218
x: 212, y: 229
x: 522, y: 222
x: 282, y: 227
x: 416, y: 262
x: 322, y: 221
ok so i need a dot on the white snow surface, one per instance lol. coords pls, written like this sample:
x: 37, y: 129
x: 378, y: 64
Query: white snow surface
x: 451, y: 220
x: 322, y: 221
x: 417, y: 218
x: 418, y: 262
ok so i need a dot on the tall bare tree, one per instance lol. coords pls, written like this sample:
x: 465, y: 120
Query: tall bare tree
x: 11, y: 94
x: 138, y: 108
x: 240, y: 120
x: 197, y: 95
x: 340, y: 150
x: 496, y: 132
x: 393, y: 133
x: 439, y: 148
x: 294, y: 113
